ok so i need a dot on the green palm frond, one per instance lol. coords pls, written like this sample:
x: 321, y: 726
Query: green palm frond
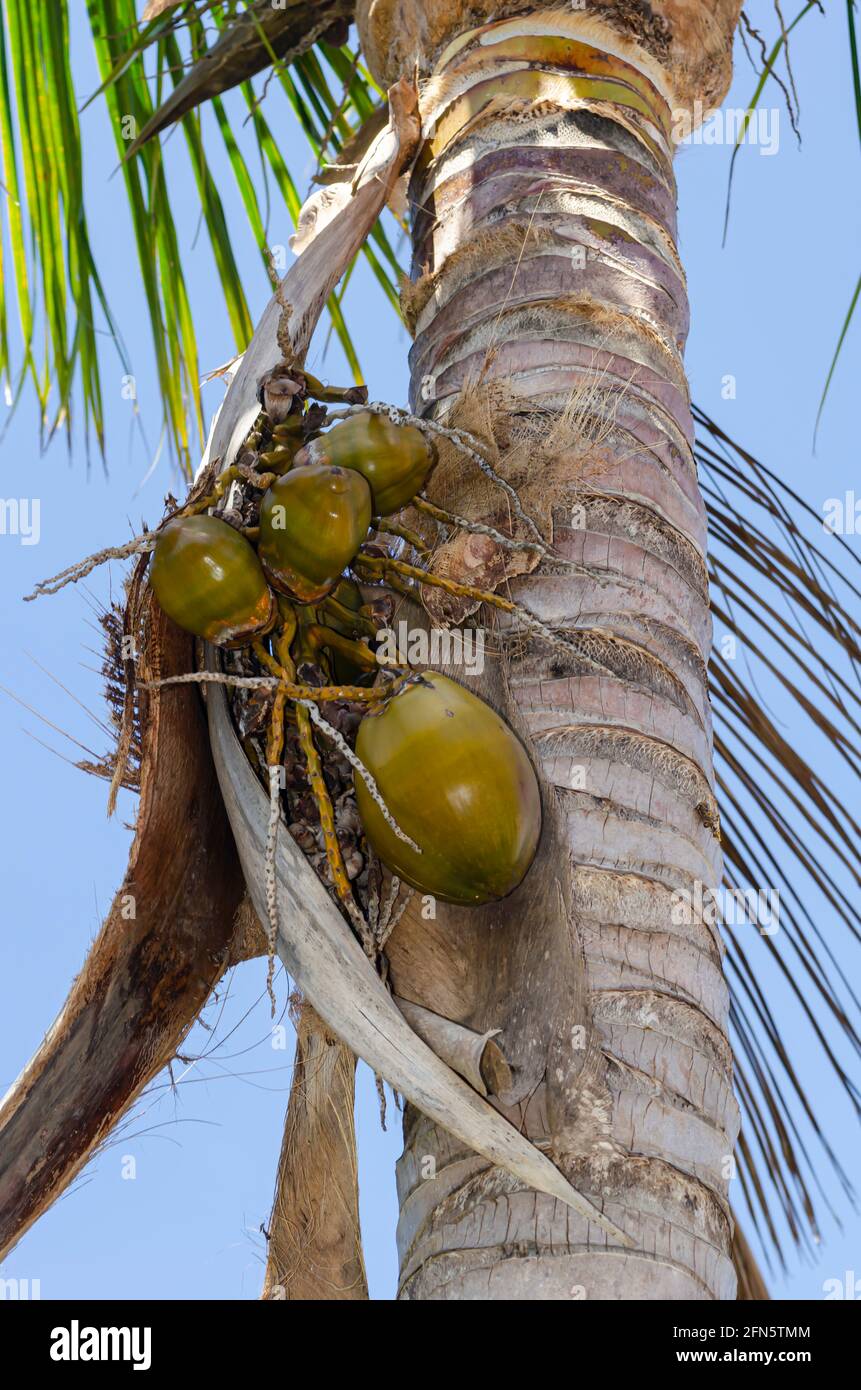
x: 129, y: 105
x: 855, y: 63
x: 153, y: 75
x: 854, y: 59
x: 769, y: 71
x: 53, y: 271
x: 257, y: 37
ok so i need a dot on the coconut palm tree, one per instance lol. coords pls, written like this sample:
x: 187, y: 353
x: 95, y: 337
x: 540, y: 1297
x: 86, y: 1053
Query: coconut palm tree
x: 573, y: 1097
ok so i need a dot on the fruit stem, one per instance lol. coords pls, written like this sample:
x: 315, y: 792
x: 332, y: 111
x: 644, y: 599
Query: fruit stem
x: 318, y: 636
x: 388, y: 527
x: 284, y: 666
x: 384, y: 564
x: 476, y: 528
x: 333, y: 607
x: 230, y: 475
x: 333, y: 394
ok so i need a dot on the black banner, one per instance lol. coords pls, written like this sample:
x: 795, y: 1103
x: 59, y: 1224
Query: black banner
x: 67, y: 1338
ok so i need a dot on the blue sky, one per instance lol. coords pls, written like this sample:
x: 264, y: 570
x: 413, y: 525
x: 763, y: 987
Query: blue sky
x: 187, y: 1223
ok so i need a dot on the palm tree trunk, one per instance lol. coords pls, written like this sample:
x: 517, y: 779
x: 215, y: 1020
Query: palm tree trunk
x: 549, y: 310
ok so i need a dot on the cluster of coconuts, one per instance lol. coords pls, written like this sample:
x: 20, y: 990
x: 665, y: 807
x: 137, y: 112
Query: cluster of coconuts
x: 452, y: 774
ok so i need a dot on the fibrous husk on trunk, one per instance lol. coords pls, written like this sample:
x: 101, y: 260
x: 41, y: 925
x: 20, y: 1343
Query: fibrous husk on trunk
x: 549, y: 457
x: 686, y: 40
x: 315, y: 1248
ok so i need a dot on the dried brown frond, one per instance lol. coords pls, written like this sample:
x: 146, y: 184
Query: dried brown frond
x: 751, y: 1285
x: 787, y: 713
x: 122, y: 625
x: 315, y: 1249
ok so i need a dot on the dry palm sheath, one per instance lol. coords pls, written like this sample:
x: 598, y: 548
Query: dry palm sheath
x: 287, y: 560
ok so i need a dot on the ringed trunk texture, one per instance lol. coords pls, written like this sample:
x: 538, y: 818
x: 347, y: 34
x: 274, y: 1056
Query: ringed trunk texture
x: 549, y: 312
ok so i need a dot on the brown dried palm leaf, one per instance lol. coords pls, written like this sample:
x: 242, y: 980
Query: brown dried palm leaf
x: 252, y: 39
x: 163, y: 946
x: 787, y: 711
x: 314, y: 1242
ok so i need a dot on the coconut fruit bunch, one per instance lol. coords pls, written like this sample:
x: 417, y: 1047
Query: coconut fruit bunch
x: 288, y: 562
